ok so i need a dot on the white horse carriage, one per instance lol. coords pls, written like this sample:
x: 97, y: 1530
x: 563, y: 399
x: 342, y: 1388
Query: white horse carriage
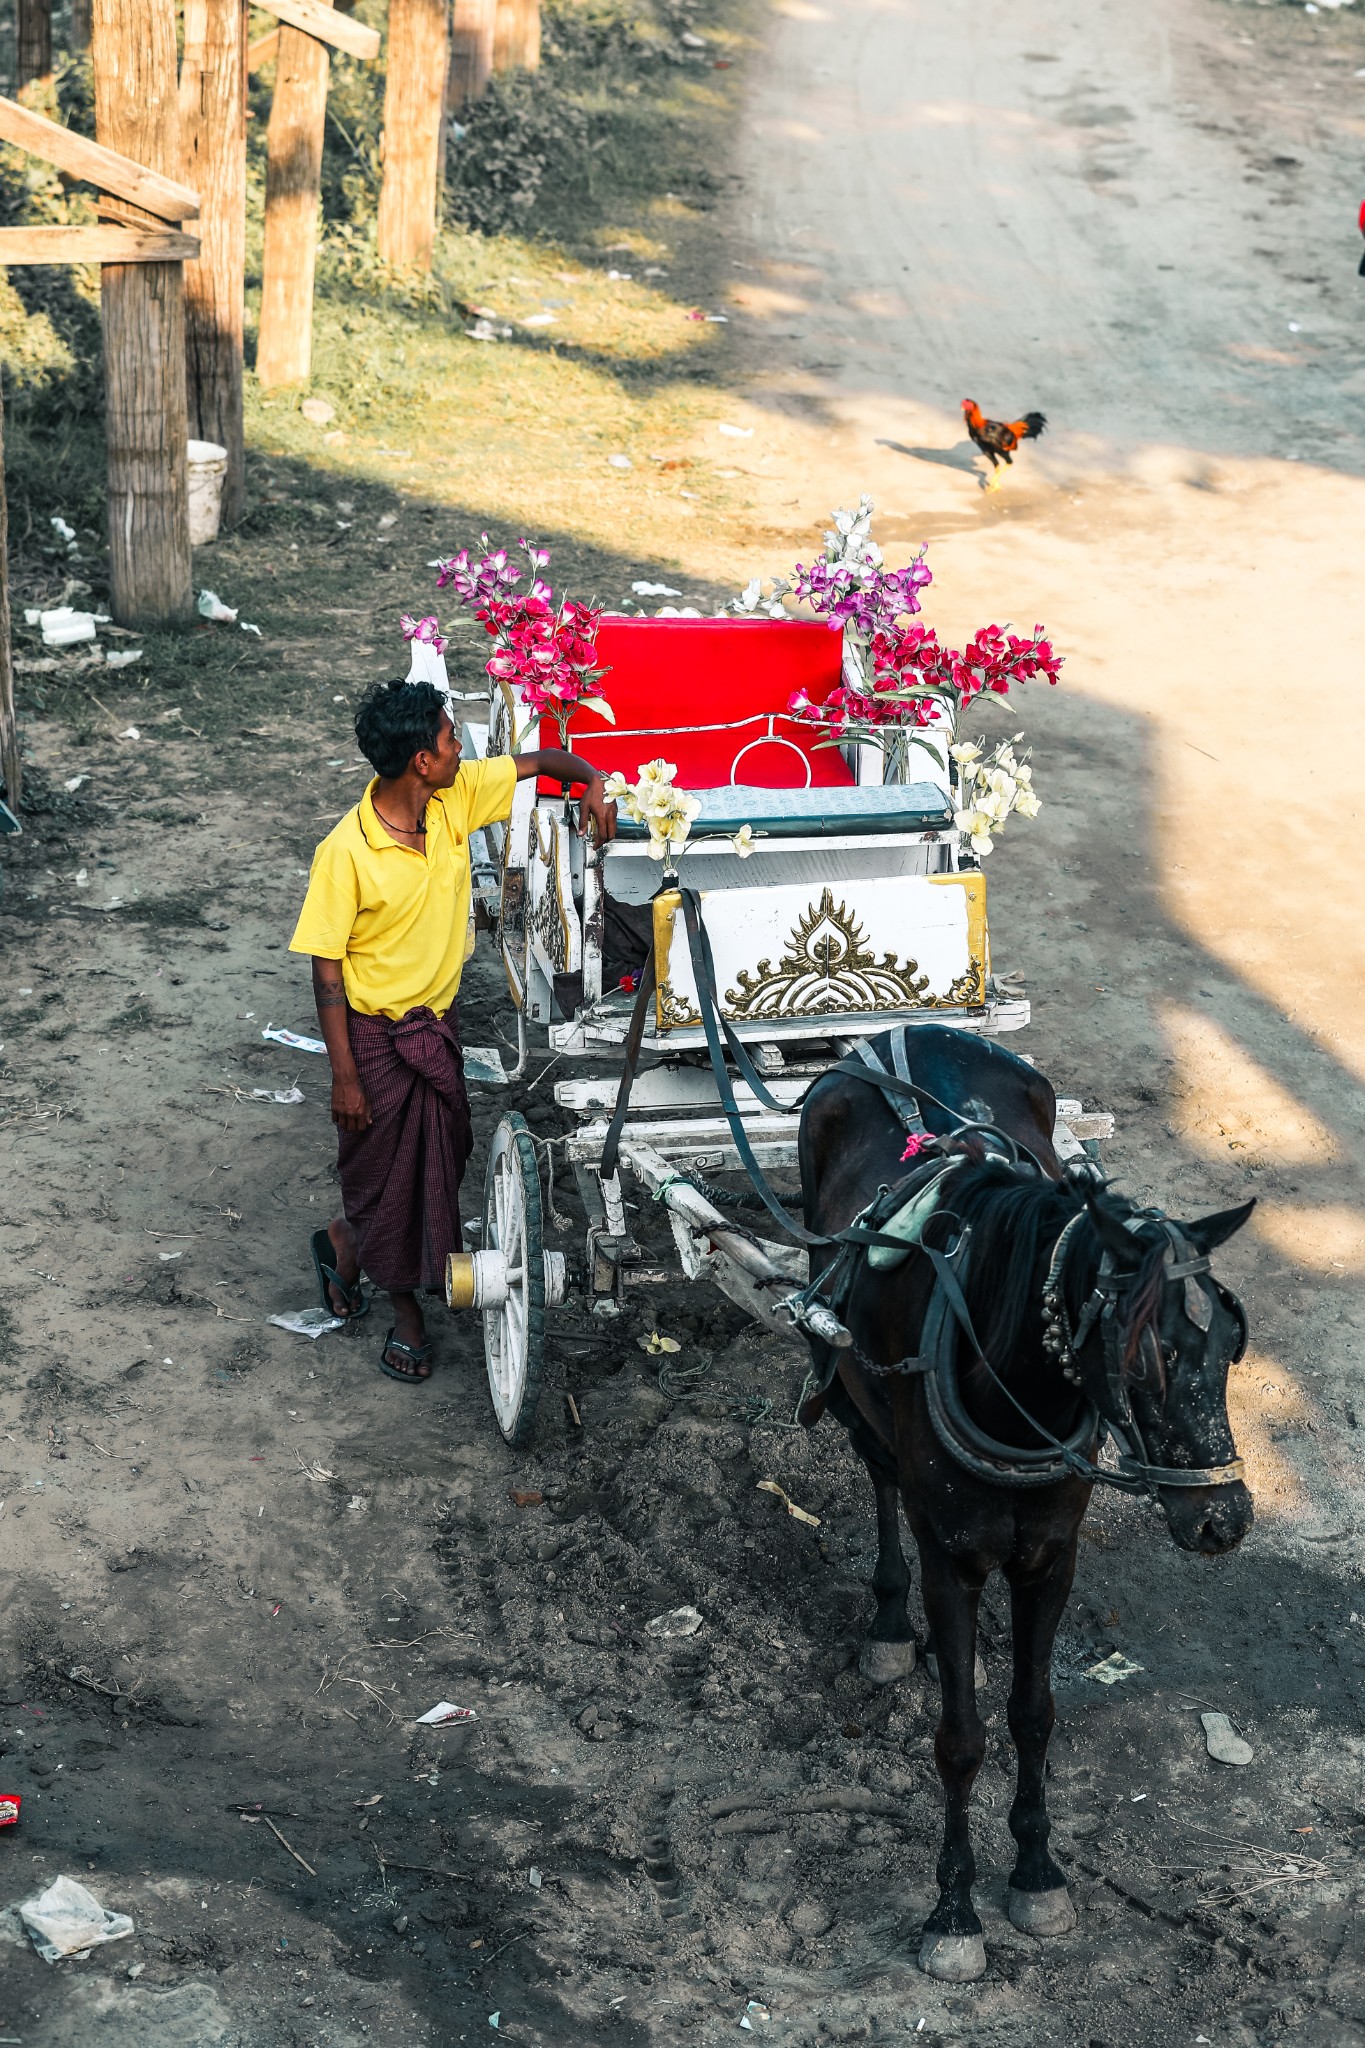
x: 835, y: 873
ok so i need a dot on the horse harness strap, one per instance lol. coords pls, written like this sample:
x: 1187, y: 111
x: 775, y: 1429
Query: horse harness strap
x: 1000, y: 1464
x: 948, y: 1316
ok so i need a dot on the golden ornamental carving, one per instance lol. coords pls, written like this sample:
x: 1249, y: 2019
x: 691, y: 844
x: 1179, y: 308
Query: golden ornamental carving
x: 828, y: 967
x: 968, y: 992
x: 673, y: 1014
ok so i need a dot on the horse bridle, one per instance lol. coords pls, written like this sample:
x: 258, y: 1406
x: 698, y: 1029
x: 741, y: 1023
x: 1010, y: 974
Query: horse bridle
x: 1183, y: 1261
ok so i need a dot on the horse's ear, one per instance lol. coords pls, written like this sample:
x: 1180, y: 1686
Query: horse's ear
x: 1211, y: 1231
x: 1089, y: 1184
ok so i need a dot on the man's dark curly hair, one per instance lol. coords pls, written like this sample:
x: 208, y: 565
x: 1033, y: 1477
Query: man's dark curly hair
x: 397, y: 720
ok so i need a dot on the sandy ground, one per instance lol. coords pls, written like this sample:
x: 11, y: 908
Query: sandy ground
x: 238, y: 1565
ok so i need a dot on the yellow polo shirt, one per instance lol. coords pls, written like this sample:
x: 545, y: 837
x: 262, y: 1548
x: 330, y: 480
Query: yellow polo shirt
x: 396, y: 919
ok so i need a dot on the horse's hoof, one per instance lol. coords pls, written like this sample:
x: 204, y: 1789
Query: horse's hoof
x: 953, y: 1958
x: 1042, y: 1913
x: 978, y: 1671
x: 884, y: 1663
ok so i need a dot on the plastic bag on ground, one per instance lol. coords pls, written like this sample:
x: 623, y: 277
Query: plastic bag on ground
x: 66, y: 1919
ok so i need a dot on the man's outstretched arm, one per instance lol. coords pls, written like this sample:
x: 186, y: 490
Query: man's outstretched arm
x: 350, y: 1110
x: 596, y: 804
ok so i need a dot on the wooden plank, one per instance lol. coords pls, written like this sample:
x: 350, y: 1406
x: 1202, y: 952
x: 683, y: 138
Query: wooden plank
x: 472, y: 29
x: 319, y: 20
x: 142, y: 318
x: 293, y: 191
x: 516, y: 36
x: 96, y: 245
x: 213, y: 131
x: 33, y: 37
x: 414, y: 94
x: 90, y: 161
x: 263, y: 51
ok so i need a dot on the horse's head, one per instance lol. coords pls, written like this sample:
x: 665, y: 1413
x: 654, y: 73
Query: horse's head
x: 1155, y: 1358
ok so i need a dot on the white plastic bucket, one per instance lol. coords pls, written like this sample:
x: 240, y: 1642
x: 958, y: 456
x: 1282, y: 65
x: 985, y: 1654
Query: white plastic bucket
x: 207, y: 469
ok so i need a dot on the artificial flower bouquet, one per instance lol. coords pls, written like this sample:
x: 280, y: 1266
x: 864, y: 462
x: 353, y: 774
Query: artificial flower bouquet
x: 899, y: 678
x: 544, y: 647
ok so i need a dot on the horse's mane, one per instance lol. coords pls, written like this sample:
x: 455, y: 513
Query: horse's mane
x: 1016, y: 1214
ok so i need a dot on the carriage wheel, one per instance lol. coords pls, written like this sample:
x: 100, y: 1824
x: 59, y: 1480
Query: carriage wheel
x: 514, y: 1334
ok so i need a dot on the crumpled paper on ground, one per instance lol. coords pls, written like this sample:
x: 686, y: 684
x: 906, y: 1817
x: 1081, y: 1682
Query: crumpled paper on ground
x: 66, y: 1920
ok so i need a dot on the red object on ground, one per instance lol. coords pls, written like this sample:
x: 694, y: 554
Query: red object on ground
x: 10, y: 1802
x: 711, y: 696
x: 1360, y: 217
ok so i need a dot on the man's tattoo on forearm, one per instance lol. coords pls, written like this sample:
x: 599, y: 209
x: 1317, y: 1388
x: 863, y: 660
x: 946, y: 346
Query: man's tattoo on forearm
x: 328, y: 996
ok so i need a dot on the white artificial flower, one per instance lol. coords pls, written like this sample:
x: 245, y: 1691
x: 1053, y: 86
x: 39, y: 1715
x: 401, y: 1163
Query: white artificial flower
x: 653, y: 772
x: 964, y: 753
x: 1027, y: 804
x: 982, y: 843
x: 750, y: 596
x: 743, y: 841
x: 617, y: 788
x: 1023, y: 774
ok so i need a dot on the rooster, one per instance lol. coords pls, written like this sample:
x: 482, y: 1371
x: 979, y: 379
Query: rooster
x: 996, y: 439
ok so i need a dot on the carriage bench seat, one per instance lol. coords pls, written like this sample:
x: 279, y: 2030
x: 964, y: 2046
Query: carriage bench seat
x: 817, y: 813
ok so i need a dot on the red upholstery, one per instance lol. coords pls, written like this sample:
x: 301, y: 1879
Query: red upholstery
x: 668, y: 679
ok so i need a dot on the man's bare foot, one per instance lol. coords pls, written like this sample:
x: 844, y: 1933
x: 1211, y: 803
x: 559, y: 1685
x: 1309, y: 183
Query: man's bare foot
x: 345, y: 1261
x: 404, y: 1356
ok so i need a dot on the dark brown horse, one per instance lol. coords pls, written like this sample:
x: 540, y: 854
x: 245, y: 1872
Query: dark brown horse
x: 1076, y: 1306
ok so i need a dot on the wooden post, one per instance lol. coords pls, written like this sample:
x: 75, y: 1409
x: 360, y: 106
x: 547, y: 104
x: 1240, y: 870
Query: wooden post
x: 80, y: 24
x: 414, y: 117
x: 11, y: 771
x: 516, y: 36
x: 143, y: 317
x: 33, y: 40
x: 293, y: 190
x: 473, y: 24
x: 213, y: 129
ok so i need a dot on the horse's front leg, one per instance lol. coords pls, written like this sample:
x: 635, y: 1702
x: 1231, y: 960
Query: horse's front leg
x: 951, y: 1947
x: 888, y: 1651
x: 1039, y: 1902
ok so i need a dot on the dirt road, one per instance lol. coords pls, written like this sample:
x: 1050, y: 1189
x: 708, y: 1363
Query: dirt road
x: 238, y: 1565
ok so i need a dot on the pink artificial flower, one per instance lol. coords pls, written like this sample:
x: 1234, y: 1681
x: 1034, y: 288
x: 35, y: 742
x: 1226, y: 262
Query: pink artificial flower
x: 917, y: 1142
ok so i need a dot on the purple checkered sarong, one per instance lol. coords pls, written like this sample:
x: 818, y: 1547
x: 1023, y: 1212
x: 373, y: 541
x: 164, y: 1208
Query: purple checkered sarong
x: 400, y: 1179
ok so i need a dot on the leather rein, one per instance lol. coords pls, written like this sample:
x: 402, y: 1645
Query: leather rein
x: 815, y: 1309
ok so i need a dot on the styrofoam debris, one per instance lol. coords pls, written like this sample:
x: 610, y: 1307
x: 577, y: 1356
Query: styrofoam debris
x: 278, y: 1094
x: 73, y: 782
x: 724, y: 427
x: 61, y: 529
x: 294, y: 1039
x: 655, y: 590
x: 65, y: 627
x: 1222, y: 1741
x: 211, y: 606
x: 307, y: 1322
x: 122, y: 657
x: 1111, y: 1669
x: 679, y: 1621
x: 445, y: 1714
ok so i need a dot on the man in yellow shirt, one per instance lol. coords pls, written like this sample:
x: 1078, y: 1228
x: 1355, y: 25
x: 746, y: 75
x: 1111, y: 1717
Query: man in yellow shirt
x: 385, y: 920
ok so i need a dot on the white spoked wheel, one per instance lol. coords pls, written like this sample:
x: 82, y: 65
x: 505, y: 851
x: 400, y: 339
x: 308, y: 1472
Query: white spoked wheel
x: 514, y: 1334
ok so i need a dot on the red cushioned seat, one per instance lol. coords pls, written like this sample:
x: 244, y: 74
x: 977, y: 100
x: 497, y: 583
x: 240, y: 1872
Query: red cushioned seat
x: 711, y: 696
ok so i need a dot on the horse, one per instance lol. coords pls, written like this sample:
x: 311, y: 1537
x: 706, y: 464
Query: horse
x: 1079, y: 1310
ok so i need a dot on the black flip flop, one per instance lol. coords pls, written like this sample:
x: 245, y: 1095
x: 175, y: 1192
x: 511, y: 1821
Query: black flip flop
x: 416, y: 1352
x: 320, y: 1244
